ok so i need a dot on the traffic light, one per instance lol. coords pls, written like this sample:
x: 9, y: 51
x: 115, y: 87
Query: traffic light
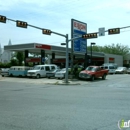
x: 2, y: 19
x: 21, y: 24
x: 89, y: 35
x: 114, y: 31
x: 46, y: 31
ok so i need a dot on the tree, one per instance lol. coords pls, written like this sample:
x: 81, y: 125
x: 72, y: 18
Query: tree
x: 20, y: 57
x: 117, y: 49
x: 95, y: 48
x: 13, y: 62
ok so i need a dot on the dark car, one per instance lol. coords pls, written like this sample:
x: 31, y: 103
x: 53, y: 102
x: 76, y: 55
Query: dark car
x: 51, y: 73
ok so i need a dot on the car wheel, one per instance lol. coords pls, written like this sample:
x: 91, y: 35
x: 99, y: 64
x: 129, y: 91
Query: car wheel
x: 48, y: 77
x: 11, y: 75
x: 38, y: 76
x: 92, y: 78
x: 104, y: 77
x: 79, y: 78
x: 2, y: 75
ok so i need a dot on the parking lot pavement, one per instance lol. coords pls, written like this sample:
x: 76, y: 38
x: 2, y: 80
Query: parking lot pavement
x: 39, y: 81
x: 58, y: 81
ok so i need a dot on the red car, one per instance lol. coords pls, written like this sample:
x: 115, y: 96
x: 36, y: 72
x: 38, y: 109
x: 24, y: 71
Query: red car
x: 92, y: 72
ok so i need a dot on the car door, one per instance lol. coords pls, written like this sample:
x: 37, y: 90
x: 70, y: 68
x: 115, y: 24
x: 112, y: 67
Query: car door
x: 124, y: 69
x: 53, y: 67
x: 98, y: 72
x: 42, y: 71
x: 47, y: 69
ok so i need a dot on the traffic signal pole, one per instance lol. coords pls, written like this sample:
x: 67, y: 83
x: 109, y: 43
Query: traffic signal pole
x: 48, y: 32
x: 67, y: 60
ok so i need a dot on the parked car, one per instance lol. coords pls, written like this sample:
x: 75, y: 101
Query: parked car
x: 111, y: 69
x: 111, y: 64
x: 61, y: 74
x: 1, y: 70
x: 18, y: 71
x: 41, y: 70
x: 92, y: 72
x: 51, y: 73
x: 128, y: 71
x: 5, y: 72
x: 121, y: 70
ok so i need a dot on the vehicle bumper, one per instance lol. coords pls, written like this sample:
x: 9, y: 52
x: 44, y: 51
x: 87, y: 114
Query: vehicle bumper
x: 111, y: 72
x: 5, y: 74
x: 84, y: 76
x: 50, y: 75
x: 118, y: 72
x: 31, y: 75
x: 59, y: 76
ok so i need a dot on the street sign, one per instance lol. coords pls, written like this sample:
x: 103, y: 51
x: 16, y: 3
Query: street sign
x: 78, y: 29
x: 43, y: 59
x: 101, y: 31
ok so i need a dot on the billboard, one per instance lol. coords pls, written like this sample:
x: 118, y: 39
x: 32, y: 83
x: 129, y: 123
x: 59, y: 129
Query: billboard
x: 78, y: 29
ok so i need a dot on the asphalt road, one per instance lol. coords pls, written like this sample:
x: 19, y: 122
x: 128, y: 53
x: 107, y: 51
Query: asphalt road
x: 97, y: 105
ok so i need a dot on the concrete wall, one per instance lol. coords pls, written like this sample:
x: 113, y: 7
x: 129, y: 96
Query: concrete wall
x: 117, y: 59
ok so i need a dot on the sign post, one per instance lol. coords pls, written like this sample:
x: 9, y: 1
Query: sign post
x: 79, y: 45
x: 78, y: 29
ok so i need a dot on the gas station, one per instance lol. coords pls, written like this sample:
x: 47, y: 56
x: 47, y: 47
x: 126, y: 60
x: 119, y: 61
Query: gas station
x: 57, y: 54
x: 78, y: 53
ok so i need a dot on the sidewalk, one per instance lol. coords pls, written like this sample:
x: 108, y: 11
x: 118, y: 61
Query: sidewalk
x: 63, y: 82
x: 52, y: 81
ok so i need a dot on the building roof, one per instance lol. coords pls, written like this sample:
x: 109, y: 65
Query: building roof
x: 49, y: 49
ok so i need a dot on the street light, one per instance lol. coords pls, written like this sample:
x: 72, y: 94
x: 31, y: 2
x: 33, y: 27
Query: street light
x: 92, y: 43
x: 63, y: 43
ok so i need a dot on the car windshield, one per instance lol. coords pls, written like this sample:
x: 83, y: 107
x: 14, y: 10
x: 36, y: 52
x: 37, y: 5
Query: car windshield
x: 63, y: 69
x: 111, y: 67
x: 54, y: 70
x: 91, y: 69
x: 119, y: 68
x: 6, y: 69
x: 106, y: 67
x: 36, y: 68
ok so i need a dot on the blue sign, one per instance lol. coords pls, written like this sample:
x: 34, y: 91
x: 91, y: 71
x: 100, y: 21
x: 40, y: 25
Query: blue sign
x: 43, y: 59
x: 78, y: 29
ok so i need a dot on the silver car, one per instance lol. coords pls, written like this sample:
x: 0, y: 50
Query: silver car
x: 51, y: 73
x: 61, y: 74
x: 5, y: 72
x: 128, y: 71
x: 121, y: 70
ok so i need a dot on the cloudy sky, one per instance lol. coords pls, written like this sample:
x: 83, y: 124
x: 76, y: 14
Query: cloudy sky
x: 56, y: 15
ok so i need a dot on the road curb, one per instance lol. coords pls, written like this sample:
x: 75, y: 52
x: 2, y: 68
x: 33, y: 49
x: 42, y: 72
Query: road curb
x: 64, y: 83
